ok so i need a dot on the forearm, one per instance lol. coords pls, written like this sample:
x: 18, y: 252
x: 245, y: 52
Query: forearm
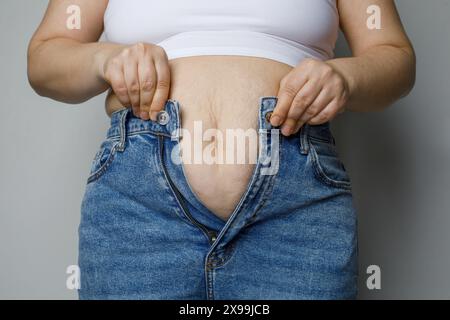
x: 378, y: 77
x: 67, y: 70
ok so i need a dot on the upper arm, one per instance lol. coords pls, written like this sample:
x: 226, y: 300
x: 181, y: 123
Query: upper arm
x: 54, y: 23
x: 353, y: 19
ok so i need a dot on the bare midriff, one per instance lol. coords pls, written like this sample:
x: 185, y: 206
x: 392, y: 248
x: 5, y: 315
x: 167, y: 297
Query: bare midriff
x: 219, y: 93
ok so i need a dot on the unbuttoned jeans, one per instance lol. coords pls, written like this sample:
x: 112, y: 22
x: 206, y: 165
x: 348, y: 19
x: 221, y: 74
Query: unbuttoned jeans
x: 144, y: 234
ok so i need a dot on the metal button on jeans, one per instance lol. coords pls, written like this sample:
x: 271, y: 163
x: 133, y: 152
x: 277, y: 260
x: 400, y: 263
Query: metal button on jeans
x: 268, y: 115
x: 162, y: 118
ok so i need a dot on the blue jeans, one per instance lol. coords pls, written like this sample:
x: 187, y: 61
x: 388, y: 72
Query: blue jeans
x: 144, y: 234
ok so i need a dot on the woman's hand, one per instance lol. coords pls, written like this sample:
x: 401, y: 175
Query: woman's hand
x: 312, y: 93
x: 139, y: 75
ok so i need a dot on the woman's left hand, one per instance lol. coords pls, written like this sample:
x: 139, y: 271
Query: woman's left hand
x: 313, y: 92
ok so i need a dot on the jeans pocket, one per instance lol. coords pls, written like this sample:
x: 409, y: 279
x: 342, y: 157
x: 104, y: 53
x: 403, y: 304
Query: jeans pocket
x: 102, y: 159
x: 328, y: 167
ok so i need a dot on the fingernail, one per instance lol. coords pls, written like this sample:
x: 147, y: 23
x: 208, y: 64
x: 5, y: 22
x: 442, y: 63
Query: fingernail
x: 275, y: 120
x: 286, y: 130
x: 154, y: 115
x: 144, y: 115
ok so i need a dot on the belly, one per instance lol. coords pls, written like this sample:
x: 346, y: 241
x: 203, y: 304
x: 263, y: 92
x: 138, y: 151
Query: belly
x: 219, y: 98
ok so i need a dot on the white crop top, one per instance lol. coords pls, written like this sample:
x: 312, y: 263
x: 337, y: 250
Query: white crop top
x: 285, y: 30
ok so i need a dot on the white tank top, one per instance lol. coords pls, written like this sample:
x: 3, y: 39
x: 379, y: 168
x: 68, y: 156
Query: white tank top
x: 285, y: 30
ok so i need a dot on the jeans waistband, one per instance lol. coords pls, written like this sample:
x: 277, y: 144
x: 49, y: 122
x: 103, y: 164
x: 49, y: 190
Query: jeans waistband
x: 168, y: 123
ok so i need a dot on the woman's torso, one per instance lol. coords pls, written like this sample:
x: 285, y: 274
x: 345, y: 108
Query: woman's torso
x: 219, y: 92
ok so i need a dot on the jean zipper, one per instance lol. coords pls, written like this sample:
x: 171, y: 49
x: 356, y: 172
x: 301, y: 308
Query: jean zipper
x: 210, y: 234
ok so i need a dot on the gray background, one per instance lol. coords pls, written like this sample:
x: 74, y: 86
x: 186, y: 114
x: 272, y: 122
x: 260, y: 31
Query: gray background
x: 398, y: 160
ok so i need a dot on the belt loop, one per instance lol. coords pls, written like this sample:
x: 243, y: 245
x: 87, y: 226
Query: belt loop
x: 304, y: 144
x: 123, y: 130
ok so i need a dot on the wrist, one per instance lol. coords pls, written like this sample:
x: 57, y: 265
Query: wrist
x: 347, y: 76
x: 101, y: 57
x: 99, y: 61
x: 351, y: 84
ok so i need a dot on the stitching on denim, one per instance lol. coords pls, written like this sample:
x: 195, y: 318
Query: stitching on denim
x: 268, y: 189
x: 241, y: 204
x: 232, y: 219
x: 232, y: 250
x: 100, y: 171
x: 210, y: 274
x: 123, y: 131
x: 244, y: 199
x: 320, y: 173
x: 304, y: 146
x: 99, y: 154
x: 177, y: 120
x: 117, y: 146
x: 324, y: 177
x: 322, y: 139
x: 180, y: 212
x: 266, y: 183
x: 247, y: 199
x: 133, y: 133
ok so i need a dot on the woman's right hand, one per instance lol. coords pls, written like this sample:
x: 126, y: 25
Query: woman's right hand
x: 139, y: 75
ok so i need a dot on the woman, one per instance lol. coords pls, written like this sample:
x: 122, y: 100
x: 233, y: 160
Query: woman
x: 194, y: 194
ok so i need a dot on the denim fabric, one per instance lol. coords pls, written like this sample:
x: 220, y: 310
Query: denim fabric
x: 145, y: 235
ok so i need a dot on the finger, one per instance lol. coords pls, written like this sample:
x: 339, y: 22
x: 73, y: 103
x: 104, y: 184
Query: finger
x: 322, y: 100
x: 289, y: 87
x: 147, y: 79
x: 132, y: 80
x: 307, y: 94
x: 162, y: 85
x: 328, y: 113
x: 119, y: 86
